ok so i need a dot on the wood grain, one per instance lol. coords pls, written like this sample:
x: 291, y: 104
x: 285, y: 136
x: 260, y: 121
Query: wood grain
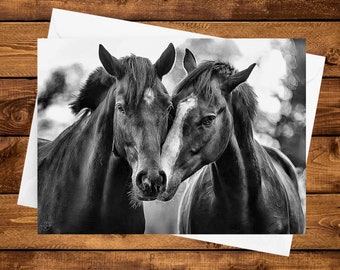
x: 327, y: 119
x: 175, y: 9
x: 323, y: 167
x: 19, y: 50
x: 166, y: 260
x: 18, y: 230
x: 12, y: 158
x: 19, y: 56
x: 17, y: 99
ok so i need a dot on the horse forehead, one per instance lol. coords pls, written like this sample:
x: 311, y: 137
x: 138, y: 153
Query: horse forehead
x: 149, y: 96
x: 174, y: 141
x: 185, y: 106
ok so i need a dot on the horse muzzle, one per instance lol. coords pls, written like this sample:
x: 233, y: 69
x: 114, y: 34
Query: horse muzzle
x: 150, y: 183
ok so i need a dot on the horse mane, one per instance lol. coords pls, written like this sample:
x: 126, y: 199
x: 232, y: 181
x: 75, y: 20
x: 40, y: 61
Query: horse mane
x: 244, y: 101
x: 243, y: 97
x: 94, y: 91
x: 141, y: 75
x: 201, y: 78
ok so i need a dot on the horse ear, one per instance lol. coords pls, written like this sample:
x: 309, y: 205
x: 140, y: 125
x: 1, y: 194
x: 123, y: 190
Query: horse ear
x: 189, y: 61
x: 230, y: 83
x: 165, y: 62
x: 110, y: 63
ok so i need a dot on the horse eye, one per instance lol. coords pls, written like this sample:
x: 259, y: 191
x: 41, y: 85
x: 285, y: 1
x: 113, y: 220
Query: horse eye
x: 208, y: 120
x: 120, y: 108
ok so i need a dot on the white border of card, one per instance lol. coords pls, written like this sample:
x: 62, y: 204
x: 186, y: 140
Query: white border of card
x: 68, y: 24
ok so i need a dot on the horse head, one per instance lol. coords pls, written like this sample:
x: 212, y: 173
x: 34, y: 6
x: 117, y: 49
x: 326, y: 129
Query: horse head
x: 141, y: 105
x: 203, y: 121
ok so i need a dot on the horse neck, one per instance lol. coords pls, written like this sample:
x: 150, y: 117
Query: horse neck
x: 81, y: 153
x: 98, y: 142
x: 230, y: 179
x: 245, y: 138
x: 238, y: 169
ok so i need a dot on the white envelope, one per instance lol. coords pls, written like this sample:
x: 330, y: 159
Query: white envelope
x: 67, y: 24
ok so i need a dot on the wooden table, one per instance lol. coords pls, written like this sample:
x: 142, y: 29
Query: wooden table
x: 23, y: 21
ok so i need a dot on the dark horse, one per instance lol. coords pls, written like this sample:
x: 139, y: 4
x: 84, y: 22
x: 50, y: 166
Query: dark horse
x: 235, y: 184
x: 94, y: 175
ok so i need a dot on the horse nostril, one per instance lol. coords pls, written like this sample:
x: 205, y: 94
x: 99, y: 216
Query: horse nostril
x: 142, y: 181
x: 163, y: 178
x: 151, y: 181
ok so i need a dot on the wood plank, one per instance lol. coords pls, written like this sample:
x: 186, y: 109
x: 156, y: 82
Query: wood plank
x: 321, y: 217
x: 166, y: 260
x: 12, y: 158
x: 176, y: 9
x: 18, y: 52
x: 18, y: 230
x: 327, y: 119
x: 323, y: 167
x: 17, y: 97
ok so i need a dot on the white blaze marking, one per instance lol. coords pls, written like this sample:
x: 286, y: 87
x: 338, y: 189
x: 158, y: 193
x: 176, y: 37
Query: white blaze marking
x: 149, y: 96
x: 174, y: 140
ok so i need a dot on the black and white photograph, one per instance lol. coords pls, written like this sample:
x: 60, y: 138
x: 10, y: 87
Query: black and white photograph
x: 171, y: 136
